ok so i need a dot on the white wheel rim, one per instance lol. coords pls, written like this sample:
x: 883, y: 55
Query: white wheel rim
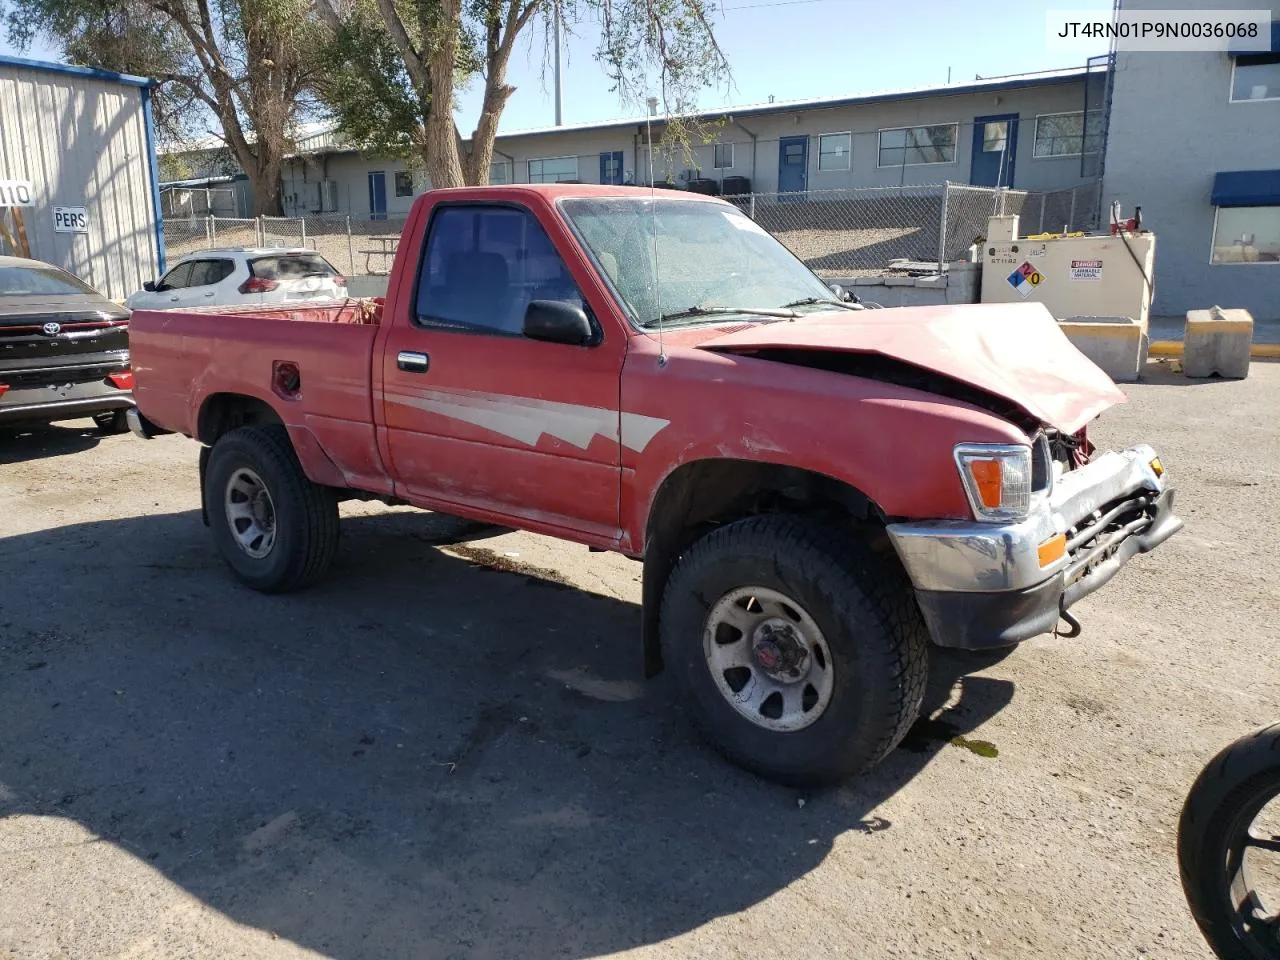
x: 251, y: 514
x: 768, y: 659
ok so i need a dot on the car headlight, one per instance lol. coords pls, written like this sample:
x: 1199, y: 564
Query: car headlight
x: 997, y: 479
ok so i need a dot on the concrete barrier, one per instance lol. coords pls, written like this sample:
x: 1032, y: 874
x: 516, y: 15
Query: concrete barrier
x: 1116, y: 344
x: 1217, y: 341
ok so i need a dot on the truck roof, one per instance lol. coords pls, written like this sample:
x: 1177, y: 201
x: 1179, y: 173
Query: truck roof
x: 556, y: 191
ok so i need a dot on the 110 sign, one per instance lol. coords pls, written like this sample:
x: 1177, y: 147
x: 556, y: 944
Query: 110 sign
x: 15, y: 193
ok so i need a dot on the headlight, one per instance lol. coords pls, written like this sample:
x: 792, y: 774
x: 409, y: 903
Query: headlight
x: 997, y: 478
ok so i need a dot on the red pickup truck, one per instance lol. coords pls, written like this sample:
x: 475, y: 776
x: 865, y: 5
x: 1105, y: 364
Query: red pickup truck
x: 817, y: 490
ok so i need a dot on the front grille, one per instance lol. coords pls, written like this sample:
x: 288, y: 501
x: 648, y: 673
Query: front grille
x: 1096, y: 538
x: 32, y: 328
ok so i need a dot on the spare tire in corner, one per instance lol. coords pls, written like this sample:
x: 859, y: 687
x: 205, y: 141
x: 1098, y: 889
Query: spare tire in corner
x: 276, y: 529
x: 803, y: 657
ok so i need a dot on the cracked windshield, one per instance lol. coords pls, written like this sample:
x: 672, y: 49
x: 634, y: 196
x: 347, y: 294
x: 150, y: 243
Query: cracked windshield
x: 710, y: 259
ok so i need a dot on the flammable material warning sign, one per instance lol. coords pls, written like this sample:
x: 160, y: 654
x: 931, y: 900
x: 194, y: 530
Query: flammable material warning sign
x: 1086, y: 269
x: 1025, y: 279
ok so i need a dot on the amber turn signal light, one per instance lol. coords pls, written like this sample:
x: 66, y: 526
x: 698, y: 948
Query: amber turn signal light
x: 1055, y: 548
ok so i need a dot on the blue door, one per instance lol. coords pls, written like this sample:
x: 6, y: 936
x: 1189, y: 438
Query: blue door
x: 378, y: 196
x: 611, y: 167
x: 793, y: 164
x: 995, y: 147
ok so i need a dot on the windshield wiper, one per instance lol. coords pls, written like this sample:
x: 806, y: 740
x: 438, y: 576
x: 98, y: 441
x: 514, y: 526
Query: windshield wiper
x: 781, y: 313
x: 812, y: 301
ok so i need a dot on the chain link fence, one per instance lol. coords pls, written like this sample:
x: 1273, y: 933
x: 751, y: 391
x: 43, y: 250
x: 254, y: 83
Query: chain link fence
x: 861, y: 231
x: 855, y: 232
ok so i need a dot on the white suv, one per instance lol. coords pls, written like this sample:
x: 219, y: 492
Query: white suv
x: 234, y: 275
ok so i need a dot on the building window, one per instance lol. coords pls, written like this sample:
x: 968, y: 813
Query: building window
x: 1256, y: 77
x: 404, y: 184
x: 1064, y: 135
x: 909, y: 146
x: 500, y: 172
x: 553, y: 170
x: 834, y: 151
x: 1246, y: 235
x: 995, y: 135
x: 724, y: 156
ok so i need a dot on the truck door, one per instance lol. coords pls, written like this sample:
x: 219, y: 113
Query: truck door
x: 476, y: 414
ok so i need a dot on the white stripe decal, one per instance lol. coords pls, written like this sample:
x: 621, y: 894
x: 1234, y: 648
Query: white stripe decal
x: 527, y: 420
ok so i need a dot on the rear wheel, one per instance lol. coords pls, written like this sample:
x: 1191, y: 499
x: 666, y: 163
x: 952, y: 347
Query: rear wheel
x: 276, y: 529
x: 803, y: 655
x: 111, y: 421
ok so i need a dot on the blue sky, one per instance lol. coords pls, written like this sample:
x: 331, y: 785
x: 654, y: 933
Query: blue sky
x: 794, y: 49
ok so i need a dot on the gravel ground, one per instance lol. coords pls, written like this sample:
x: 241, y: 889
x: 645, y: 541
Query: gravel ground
x: 447, y: 750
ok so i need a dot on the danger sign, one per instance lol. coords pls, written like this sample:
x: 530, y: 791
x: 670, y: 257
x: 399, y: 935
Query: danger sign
x: 1086, y: 269
x: 1025, y: 279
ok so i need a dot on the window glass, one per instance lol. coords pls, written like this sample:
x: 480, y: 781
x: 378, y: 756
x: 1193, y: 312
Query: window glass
x: 1064, y: 134
x: 554, y: 170
x: 291, y: 266
x: 1256, y: 77
x: 834, y: 150
x: 668, y: 254
x: 724, y: 156
x: 917, y: 145
x: 207, y: 272
x: 39, y: 281
x: 177, y: 278
x: 404, y: 183
x: 1247, y: 235
x: 611, y: 167
x: 995, y: 134
x: 500, y: 172
x: 483, y: 266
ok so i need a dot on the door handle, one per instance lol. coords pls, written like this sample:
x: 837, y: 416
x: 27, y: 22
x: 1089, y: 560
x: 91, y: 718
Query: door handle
x: 412, y: 361
x: 211, y: 293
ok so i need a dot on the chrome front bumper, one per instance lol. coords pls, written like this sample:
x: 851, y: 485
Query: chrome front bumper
x: 982, y: 585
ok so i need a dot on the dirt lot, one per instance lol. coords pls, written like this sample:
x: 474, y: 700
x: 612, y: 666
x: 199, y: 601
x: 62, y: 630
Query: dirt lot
x: 447, y: 751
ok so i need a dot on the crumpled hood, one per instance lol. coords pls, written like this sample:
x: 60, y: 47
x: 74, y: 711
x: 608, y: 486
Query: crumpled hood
x: 1012, y: 350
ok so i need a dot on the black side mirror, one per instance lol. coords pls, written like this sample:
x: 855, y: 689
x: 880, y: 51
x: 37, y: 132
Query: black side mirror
x: 841, y: 293
x: 149, y: 286
x: 556, y: 321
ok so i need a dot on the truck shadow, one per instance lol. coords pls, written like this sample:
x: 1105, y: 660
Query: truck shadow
x: 427, y: 754
x: 19, y: 443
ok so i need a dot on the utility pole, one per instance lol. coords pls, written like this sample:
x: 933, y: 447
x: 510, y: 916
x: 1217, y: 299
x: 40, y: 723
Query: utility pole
x: 559, y: 99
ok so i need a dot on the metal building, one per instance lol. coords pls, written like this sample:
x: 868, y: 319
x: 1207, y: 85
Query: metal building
x: 78, y: 161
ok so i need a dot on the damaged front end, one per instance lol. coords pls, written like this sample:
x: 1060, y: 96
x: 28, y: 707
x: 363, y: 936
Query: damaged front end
x: 982, y: 584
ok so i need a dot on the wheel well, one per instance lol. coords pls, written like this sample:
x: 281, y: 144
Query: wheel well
x: 699, y: 496
x: 223, y: 412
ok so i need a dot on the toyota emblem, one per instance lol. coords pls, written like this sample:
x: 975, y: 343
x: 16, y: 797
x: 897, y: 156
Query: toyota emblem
x: 52, y: 329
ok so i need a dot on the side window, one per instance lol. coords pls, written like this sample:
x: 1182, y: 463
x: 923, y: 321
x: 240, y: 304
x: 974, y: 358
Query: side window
x: 483, y: 266
x: 208, y: 272
x: 176, y: 279
x: 219, y: 270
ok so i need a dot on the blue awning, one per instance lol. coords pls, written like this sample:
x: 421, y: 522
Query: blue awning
x: 1236, y: 48
x: 1247, y: 188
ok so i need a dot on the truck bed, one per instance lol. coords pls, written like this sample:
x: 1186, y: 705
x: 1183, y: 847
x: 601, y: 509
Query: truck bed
x: 186, y: 358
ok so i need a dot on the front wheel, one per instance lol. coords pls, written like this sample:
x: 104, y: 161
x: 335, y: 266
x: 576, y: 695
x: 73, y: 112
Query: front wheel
x: 276, y: 529
x: 803, y: 655
x: 1229, y: 848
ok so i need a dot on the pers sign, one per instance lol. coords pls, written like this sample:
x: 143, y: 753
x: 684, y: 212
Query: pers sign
x: 70, y: 220
x: 16, y: 193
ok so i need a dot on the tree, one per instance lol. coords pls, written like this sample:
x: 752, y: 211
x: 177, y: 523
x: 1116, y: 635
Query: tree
x: 393, y: 67
x: 248, y: 62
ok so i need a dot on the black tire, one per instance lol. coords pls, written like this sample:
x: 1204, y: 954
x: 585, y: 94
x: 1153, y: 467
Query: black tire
x: 305, y: 514
x: 111, y: 421
x: 1224, y: 800
x: 868, y: 615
